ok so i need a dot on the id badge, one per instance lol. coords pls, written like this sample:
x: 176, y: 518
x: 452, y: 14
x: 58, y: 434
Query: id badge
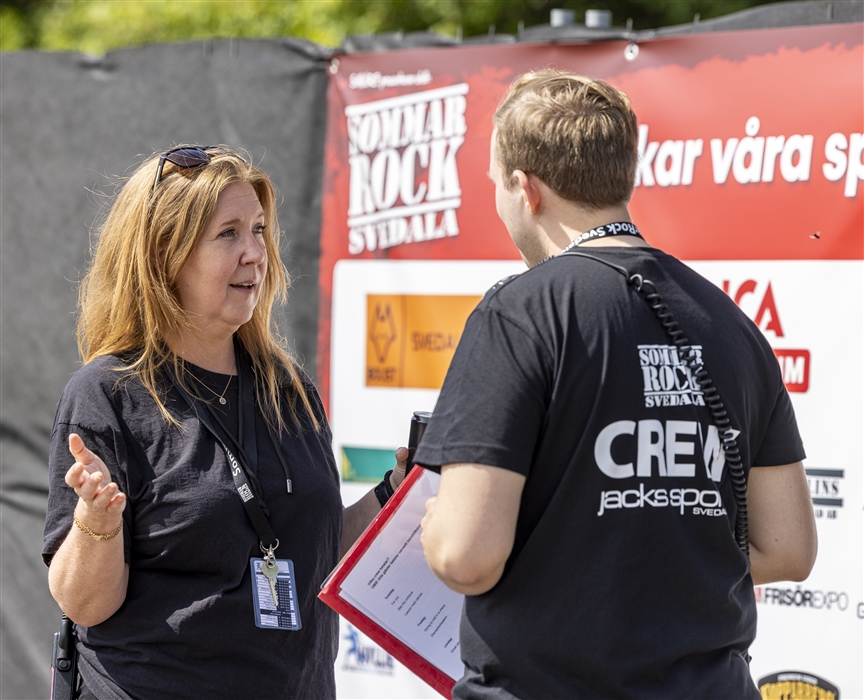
x: 283, y: 613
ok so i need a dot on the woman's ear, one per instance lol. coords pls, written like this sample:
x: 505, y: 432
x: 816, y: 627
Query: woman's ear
x: 161, y: 250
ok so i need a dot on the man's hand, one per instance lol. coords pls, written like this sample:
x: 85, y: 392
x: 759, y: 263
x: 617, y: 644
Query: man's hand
x: 469, y: 528
x: 400, y: 468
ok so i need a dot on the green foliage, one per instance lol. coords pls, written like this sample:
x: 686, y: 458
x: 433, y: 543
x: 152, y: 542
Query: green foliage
x: 13, y: 35
x: 18, y: 24
x: 98, y: 26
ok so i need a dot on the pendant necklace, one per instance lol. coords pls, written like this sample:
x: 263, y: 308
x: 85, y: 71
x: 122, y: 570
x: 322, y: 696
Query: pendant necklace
x: 222, y: 399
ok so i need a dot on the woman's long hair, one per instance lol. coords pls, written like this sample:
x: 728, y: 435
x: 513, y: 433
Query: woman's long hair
x: 127, y: 301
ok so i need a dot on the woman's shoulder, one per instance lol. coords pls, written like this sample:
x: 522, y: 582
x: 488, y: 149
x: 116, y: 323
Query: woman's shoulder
x: 98, y: 384
x: 103, y: 372
x: 296, y: 381
x: 290, y: 373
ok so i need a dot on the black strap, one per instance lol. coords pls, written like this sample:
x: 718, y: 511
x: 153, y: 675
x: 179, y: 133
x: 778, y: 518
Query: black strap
x: 248, y: 444
x: 246, y: 393
x: 245, y: 442
x: 240, y: 465
x: 617, y: 228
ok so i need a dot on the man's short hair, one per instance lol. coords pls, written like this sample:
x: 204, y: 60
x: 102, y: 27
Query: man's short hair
x: 577, y: 134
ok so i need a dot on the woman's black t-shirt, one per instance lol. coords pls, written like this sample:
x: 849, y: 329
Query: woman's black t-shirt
x: 187, y: 627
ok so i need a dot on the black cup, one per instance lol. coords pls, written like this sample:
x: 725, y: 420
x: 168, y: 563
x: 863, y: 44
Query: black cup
x: 419, y: 421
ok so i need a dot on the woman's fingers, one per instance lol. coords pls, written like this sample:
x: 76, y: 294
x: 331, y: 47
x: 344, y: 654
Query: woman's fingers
x: 103, y: 496
x: 79, y: 478
x: 75, y: 476
x: 84, y: 456
x: 111, y: 498
x: 86, y: 485
x: 91, y: 480
x: 117, y: 504
x: 79, y: 450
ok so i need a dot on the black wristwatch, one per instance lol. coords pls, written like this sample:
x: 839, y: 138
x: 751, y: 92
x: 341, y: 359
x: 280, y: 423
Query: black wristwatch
x: 384, y: 490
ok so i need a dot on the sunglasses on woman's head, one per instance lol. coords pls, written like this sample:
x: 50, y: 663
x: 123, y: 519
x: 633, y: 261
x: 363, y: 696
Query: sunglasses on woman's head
x: 182, y: 157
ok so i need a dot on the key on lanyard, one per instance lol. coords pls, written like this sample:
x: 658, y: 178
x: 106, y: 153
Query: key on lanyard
x: 270, y: 569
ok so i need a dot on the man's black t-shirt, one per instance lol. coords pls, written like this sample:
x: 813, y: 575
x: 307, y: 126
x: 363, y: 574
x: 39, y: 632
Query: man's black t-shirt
x: 625, y: 579
x: 186, y: 628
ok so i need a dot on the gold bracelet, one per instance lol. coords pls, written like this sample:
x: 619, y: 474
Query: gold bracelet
x: 87, y: 531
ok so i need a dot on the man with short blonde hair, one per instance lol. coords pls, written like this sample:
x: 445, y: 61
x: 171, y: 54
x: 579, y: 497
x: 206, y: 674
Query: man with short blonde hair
x: 577, y: 135
x: 592, y: 505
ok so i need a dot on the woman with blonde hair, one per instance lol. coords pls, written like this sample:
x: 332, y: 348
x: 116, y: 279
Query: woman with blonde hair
x: 201, y: 510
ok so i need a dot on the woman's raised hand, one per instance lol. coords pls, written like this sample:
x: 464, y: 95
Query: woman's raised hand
x: 88, y: 576
x: 101, y: 502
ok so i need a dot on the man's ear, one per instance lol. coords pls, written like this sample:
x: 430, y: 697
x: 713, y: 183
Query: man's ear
x: 530, y: 190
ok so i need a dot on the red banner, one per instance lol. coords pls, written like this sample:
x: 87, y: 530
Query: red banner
x: 750, y: 169
x: 755, y: 136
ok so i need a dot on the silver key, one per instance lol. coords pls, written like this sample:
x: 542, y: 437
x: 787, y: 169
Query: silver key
x: 271, y: 570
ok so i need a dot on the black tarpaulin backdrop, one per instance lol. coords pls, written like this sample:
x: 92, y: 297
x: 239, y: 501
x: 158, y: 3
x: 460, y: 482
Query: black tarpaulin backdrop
x: 70, y: 126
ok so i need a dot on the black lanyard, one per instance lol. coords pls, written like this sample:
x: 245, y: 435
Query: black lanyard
x: 618, y: 228
x: 245, y: 463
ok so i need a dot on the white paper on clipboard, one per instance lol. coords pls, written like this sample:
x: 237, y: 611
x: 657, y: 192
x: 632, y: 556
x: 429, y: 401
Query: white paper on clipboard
x: 393, y: 585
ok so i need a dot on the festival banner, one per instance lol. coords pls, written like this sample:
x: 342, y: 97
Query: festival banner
x: 751, y: 161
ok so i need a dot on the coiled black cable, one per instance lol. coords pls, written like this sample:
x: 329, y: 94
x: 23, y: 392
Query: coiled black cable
x: 737, y: 474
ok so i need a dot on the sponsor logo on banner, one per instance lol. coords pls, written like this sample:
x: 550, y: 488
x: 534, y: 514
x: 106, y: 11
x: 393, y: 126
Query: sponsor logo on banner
x: 765, y: 313
x: 404, y: 183
x: 796, y: 685
x: 826, y: 491
x: 795, y: 366
x: 757, y: 301
x: 365, y: 463
x: 802, y: 598
x: 412, y: 338
x: 364, y: 655
x: 375, y: 81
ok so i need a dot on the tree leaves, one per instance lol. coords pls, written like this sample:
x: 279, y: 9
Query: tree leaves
x: 98, y: 26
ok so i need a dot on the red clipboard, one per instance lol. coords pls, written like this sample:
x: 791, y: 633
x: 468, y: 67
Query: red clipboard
x: 330, y: 594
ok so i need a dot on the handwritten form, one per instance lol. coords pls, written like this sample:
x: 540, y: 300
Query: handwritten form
x: 393, y: 585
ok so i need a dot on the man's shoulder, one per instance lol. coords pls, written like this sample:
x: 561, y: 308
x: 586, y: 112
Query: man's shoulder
x: 499, y: 285
x: 555, y: 273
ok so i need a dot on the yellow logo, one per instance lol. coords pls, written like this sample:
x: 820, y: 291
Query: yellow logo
x: 411, y: 338
x: 382, y: 331
x: 795, y: 685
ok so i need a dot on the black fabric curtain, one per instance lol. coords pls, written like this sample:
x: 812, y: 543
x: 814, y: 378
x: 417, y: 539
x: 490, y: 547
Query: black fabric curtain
x: 71, y: 127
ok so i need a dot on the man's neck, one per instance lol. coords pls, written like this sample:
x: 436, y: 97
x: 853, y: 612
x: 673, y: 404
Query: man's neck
x: 573, y: 220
